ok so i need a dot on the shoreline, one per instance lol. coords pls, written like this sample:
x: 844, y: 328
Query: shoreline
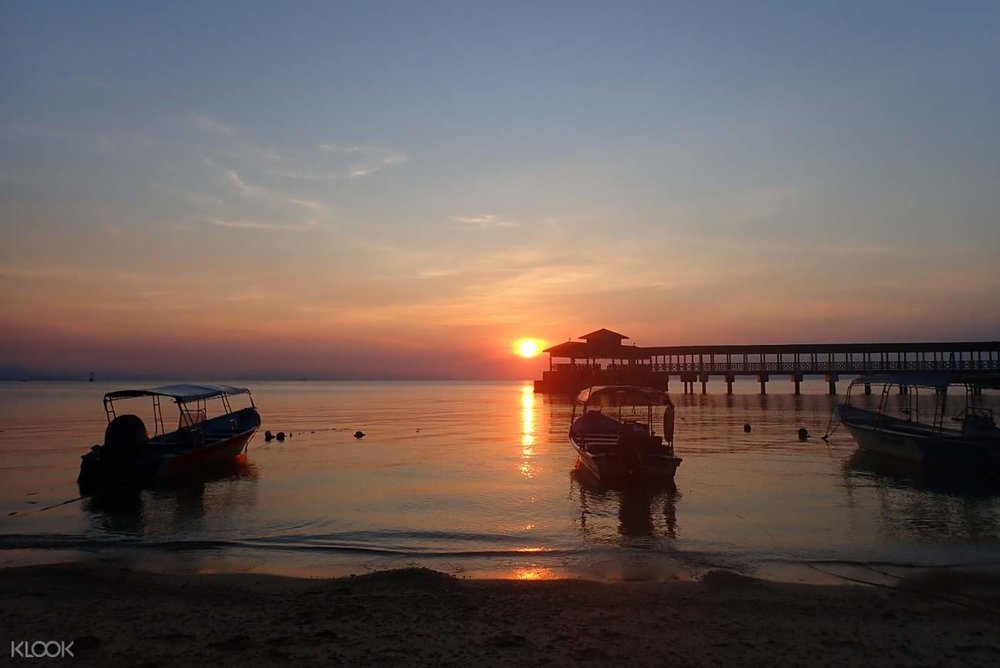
x: 120, y: 616
x: 641, y: 568
x: 628, y: 567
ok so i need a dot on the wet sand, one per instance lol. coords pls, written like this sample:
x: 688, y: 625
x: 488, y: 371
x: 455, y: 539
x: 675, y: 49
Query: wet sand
x: 121, y: 617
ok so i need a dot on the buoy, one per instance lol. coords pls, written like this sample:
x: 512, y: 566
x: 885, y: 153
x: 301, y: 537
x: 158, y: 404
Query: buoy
x: 803, y: 434
x: 268, y: 436
x: 746, y: 427
x: 359, y: 434
x: 280, y: 436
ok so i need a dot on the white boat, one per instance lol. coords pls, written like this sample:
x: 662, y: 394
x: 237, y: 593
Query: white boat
x: 925, y: 423
x: 613, y: 431
x: 130, y: 456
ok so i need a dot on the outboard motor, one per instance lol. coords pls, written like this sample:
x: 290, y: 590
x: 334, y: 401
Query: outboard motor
x: 117, y: 460
x: 632, y: 443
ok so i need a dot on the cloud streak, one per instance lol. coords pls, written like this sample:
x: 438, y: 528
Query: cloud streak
x: 209, y: 124
x: 365, y: 160
x: 241, y: 224
x: 261, y: 192
x: 484, y: 221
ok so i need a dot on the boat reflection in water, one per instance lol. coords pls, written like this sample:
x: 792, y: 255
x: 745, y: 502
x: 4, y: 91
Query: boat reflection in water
x: 914, y: 501
x: 177, y: 506
x: 645, y: 509
x: 902, y: 474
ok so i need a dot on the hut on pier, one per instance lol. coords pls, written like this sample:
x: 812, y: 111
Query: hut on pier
x: 600, y: 358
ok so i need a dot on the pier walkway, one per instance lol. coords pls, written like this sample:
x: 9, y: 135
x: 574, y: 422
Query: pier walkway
x: 601, y: 358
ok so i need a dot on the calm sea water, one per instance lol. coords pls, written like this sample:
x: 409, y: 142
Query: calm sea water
x: 478, y: 479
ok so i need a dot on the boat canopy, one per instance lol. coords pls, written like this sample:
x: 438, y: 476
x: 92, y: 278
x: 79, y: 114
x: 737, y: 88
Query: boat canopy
x: 937, y: 380
x: 180, y: 393
x: 614, y: 396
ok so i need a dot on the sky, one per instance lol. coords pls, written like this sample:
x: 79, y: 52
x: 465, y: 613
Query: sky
x: 403, y: 189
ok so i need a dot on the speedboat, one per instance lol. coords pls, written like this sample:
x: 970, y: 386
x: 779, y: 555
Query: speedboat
x: 613, y: 431
x: 130, y: 456
x: 924, y: 423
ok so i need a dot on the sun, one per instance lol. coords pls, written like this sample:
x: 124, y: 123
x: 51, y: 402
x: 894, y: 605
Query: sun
x: 528, y: 348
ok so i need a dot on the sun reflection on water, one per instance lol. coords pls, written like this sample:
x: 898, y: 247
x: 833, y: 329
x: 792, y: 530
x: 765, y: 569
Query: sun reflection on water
x: 533, y: 573
x: 528, y: 467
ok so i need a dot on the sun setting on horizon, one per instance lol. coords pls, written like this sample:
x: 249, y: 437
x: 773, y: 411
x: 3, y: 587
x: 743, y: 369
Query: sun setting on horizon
x: 528, y: 348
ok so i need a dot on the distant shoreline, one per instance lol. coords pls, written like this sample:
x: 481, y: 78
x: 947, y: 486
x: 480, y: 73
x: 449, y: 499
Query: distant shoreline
x: 117, y: 616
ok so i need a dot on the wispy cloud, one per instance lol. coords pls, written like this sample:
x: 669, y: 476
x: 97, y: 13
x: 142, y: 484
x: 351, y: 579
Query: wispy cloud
x: 365, y: 160
x: 209, y: 124
x: 242, y: 224
x: 235, y: 146
x: 484, y: 221
x: 240, y: 184
x: 273, y: 195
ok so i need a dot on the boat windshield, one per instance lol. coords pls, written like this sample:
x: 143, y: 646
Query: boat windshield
x: 617, y: 396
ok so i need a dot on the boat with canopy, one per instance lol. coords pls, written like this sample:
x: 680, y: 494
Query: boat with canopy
x: 927, y: 422
x: 613, y: 430
x: 130, y: 455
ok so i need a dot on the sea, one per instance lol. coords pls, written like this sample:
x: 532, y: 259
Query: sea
x: 478, y: 479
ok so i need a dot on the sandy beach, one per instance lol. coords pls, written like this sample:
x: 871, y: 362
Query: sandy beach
x: 117, y: 616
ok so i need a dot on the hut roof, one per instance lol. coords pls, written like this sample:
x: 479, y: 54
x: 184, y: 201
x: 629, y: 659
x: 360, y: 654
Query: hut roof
x: 603, y: 335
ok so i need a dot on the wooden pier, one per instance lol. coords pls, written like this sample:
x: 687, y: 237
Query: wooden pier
x: 602, y: 358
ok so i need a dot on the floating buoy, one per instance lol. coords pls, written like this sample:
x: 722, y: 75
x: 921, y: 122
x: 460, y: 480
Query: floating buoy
x: 268, y: 436
x: 359, y: 434
x: 746, y: 427
x: 803, y: 434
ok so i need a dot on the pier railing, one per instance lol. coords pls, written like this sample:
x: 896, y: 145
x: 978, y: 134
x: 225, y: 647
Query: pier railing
x: 809, y: 367
x: 801, y: 367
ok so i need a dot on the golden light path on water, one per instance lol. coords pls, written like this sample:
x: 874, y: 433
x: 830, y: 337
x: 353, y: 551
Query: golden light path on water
x: 529, y: 470
x: 528, y: 466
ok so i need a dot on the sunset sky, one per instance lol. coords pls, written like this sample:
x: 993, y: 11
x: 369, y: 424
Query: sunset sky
x: 377, y: 189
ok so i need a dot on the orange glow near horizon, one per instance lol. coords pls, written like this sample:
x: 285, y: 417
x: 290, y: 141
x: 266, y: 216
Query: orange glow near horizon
x: 528, y: 348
